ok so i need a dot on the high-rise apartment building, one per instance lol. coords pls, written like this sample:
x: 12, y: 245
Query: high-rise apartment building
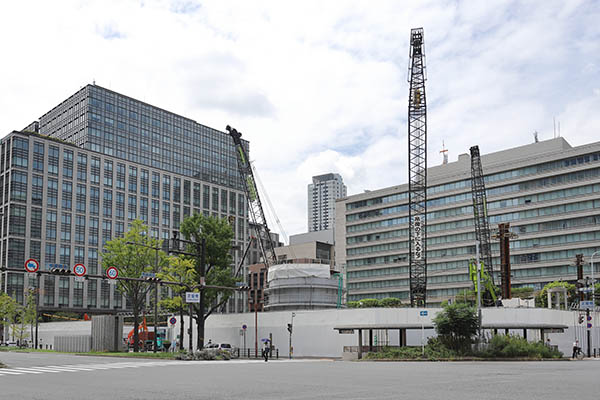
x: 98, y: 161
x: 322, y: 193
x: 549, y: 192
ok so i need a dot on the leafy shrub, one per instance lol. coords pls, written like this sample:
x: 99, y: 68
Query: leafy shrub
x: 456, y: 325
x: 510, y: 346
x: 353, y: 304
x: 204, y: 355
x: 368, y: 303
x: 390, y: 302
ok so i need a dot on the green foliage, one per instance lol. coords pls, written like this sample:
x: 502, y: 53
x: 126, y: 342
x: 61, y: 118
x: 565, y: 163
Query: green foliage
x: 133, y: 254
x: 456, y: 325
x: 434, y: 350
x: 390, y: 302
x: 182, y: 270
x: 522, y: 292
x: 8, y: 309
x: 508, y: 346
x: 218, y: 235
x: 541, y: 300
x: 370, y: 303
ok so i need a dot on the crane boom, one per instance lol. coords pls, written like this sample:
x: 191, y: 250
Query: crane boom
x: 417, y: 170
x: 480, y: 219
x: 257, y: 214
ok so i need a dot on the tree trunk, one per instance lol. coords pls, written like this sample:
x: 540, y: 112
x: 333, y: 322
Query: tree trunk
x: 136, y: 323
x: 181, y: 327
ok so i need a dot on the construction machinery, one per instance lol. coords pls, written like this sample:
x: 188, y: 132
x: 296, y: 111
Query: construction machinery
x: 486, y: 280
x: 255, y: 208
x: 417, y: 170
x: 480, y: 219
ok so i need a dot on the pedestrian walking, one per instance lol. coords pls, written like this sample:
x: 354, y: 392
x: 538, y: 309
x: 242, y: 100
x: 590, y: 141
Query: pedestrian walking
x: 575, y: 348
x: 266, y: 350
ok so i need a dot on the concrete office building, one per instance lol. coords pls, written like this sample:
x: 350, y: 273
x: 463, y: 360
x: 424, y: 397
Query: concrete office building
x: 108, y: 159
x: 322, y: 194
x: 548, y: 191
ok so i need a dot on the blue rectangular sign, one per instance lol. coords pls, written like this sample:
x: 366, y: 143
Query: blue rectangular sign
x: 423, y: 313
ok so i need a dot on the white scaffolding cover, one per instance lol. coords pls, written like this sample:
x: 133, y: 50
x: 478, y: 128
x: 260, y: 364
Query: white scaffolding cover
x: 284, y: 271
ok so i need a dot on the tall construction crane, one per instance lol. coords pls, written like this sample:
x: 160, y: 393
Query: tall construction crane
x: 257, y: 214
x: 480, y: 218
x: 417, y: 170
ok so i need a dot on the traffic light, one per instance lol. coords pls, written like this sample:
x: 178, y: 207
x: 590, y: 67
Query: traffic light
x: 152, y: 279
x: 289, y: 328
x: 60, y: 271
x: 581, y: 318
x: 243, y: 287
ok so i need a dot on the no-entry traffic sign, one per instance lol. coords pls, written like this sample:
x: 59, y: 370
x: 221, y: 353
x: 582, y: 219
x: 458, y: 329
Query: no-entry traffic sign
x: 173, y: 320
x: 79, y: 270
x: 112, y: 273
x: 32, y: 265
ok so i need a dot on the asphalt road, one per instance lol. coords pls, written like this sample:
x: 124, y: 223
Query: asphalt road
x: 53, y: 376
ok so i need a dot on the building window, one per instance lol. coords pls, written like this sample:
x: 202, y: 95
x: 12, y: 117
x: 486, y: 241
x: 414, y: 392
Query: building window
x: 223, y: 200
x: 166, y: 220
x: 36, y: 223
x: 155, y: 212
x: 95, y: 170
x: 18, y: 187
x: 215, y: 199
x: 65, y: 228
x: 53, y: 154
x: 121, y: 176
x: 155, y: 185
x: 144, y: 209
x: 120, y: 208
x: 38, y: 156
x: 177, y: 190
x: 93, y: 232
x: 81, y: 167
x: 144, y: 182
x: 94, y: 200
x: 67, y: 168
x: 37, y: 190
x: 166, y: 187
x: 80, y: 229
x: 52, y: 198
x: 18, y: 219
x: 132, y: 179
x: 107, y: 204
x: 106, y: 231
x: 186, y: 192
x: 132, y: 208
x: 67, y: 195
x: 20, y: 152
x: 50, y: 225
x: 108, y: 173
x: 80, y: 198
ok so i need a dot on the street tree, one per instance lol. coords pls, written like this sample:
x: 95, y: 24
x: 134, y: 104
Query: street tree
x: 183, y: 271
x: 8, y: 310
x: 131, y: 260
x: 456, y: 325
x: 217, y: 270
x: 30, y: 312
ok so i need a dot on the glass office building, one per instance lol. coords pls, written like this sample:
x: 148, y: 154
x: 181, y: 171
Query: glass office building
x: 549, y: 192
x: 99, y: 161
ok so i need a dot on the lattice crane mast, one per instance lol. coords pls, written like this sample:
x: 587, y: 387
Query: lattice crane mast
x: 480, y: 219
x: 417, y: 170
x: 257, y: 214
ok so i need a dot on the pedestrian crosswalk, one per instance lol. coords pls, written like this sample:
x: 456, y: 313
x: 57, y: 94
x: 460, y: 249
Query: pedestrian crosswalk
x: 54, y: 369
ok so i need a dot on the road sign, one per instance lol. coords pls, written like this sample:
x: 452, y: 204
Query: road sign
x: 584, y: 304
x: 423, y: 313
x: 32, y: 265
x: 585, y: 289
x: 192, y: 297
x: 148, y: 275
x: 172, y: 320
x: 79, y: 270
x: 346, y: 331
x: 112, y: 273
x: 589, y: 325
x: 244, y: 327
x: 79, y: 278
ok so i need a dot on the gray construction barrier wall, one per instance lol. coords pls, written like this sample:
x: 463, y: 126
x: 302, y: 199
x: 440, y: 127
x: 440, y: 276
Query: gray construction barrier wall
x: 107, y: 333
x: 73, y: 344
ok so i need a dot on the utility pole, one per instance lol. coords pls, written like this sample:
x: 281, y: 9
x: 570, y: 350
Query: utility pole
x: 155, y: 301
x: 579, y: 265
x: 290, y: 329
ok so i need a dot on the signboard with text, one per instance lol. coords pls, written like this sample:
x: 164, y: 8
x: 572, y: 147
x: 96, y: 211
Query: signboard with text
x: 417, y: 239
x: 192, y: 297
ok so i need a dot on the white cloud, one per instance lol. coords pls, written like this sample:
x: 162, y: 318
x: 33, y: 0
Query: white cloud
x: 316, y: 86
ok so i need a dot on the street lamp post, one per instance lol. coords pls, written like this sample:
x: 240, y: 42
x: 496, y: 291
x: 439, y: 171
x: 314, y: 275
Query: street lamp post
x: 478, y: 293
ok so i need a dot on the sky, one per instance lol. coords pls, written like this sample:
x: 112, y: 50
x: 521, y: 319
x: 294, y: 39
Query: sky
x: 317, y: 86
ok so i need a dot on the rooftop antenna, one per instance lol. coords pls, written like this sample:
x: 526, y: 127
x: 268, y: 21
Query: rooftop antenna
x: 444, y: 151
x: 554, y: 123
x: 558, y: 128
x: 535, y: 136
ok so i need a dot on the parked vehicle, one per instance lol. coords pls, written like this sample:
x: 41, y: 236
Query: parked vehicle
x: 216, y: 347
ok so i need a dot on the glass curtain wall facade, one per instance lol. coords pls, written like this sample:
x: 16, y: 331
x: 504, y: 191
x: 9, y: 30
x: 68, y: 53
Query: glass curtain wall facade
x: 549, y: 192
x: 61, y: 203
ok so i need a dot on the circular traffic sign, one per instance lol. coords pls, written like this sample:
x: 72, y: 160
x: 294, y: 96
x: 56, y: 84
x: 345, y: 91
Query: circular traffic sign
x: 32, y: 265
x: 244, y: 327
x: 79, y: 269
x: 173, y: 320
x: 112, y: 273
